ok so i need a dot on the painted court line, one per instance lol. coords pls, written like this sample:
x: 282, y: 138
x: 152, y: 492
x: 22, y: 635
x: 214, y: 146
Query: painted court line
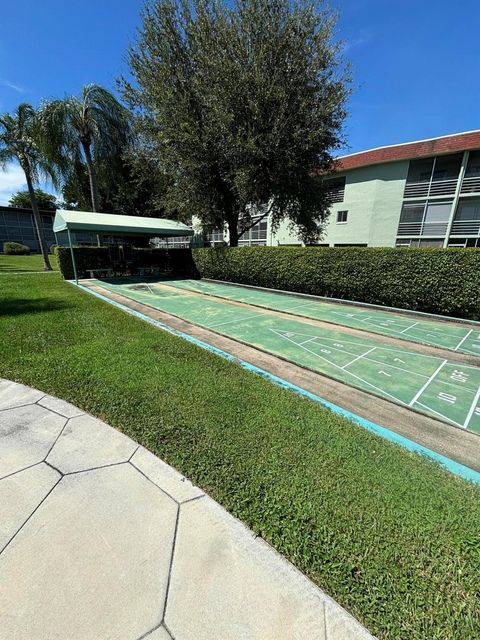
x: 451, y: 465
x: 450, y: 420
x: 383, y: 348
x: 220, y: 324
x: 363, y: 355
x: 384, y: 326
x: 309, y: 340
x: 463, y: 340
x: 386, y: 364
x: 472, y: 409
x: 382, y: 391
x: 410, y: 327
x: 358, y: 357
x: 419, y: 393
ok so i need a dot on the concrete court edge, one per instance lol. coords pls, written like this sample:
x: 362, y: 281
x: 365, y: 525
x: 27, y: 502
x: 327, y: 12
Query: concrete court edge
x: 451, y: 465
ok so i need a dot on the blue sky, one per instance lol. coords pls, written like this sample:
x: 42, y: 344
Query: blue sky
x: 416, y: 63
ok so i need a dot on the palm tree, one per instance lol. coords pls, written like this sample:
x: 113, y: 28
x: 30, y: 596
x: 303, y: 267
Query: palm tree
x: 87, y: 128
x: 19, y: 141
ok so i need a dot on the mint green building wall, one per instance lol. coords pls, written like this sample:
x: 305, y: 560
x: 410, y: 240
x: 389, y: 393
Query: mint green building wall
x: 373, y: 199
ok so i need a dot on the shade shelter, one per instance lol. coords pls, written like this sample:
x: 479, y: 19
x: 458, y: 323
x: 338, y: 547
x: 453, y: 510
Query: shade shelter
x: 115, y: 225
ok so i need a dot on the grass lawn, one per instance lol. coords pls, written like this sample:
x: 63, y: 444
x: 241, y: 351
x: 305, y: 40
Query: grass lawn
x: 390, y: 535
x: 19, y: 264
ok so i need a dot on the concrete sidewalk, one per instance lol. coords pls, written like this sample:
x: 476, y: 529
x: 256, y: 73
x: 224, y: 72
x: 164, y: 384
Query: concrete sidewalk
x: 101, y: 540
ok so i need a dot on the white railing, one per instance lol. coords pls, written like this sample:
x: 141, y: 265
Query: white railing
x: 416, y: 190
x: 426, y: 189
x: 422, y: 228
x: 443, y: 187
x: 466, y: 227
x: 471, y: 185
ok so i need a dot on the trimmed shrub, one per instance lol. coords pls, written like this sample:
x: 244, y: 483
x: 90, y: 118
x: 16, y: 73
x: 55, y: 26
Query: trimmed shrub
x: 85, y: 258
x: 444, y: 281
x: 15, y: 249
x: 175, y: 261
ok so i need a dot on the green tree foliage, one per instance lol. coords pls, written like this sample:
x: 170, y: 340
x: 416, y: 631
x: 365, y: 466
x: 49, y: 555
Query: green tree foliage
x: 129, y: 185
x: 243, y: 105
x: 85, y: 130
x: 45, y: 201
x: 21, y: 141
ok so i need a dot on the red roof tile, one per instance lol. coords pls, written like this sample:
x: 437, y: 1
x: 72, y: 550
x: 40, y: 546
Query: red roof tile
x: 411, y: 150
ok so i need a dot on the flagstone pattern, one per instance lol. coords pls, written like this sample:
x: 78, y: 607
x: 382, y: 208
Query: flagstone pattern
x: 101, y: 540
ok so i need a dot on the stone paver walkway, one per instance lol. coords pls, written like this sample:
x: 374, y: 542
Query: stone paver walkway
x: 101, y: 540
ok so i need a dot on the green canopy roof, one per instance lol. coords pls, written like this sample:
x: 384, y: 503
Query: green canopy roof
x: 107, y: 223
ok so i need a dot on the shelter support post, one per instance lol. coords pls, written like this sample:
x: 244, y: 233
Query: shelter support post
x: 72, y: 253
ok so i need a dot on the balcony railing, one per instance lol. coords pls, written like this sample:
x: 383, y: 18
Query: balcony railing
x: 426, y: 189
x: 443, y: 188
x: 417, y: 190
x: 422, y: 228
x: 466, y: 228
x: 471, y: 185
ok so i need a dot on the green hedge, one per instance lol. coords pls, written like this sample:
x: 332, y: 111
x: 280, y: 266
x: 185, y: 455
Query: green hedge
x: 445, y: 281
x: 177, y: 261
x: 15, y: 249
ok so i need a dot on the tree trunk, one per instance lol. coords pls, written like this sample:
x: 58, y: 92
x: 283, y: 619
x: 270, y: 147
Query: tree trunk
x: 232, y: 223
x: 38, y: 222
x: 92, y: 179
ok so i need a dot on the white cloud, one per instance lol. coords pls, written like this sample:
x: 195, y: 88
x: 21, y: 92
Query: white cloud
x: 11, y: 180
x: 11, y: 85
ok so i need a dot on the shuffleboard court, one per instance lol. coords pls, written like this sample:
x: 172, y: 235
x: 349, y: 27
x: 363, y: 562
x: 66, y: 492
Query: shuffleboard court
x: 447, y: 335
x: 441, y: 388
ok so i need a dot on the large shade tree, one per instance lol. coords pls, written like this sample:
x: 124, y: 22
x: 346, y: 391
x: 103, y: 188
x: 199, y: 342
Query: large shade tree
x: 45, y: 201
x: 20, y: 141
x: 125, y: 186
x: 243, y: 105
x: 85, y: 130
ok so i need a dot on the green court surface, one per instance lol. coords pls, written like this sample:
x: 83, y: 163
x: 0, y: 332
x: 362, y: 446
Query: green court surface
x: 458, y: 337
x: 435, y: 386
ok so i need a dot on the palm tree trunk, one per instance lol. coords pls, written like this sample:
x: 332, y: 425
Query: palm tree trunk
x: 38, y: 222
x: 93, y: 181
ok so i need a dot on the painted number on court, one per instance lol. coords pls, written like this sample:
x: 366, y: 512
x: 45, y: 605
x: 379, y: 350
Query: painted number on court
x: 447, y: 397
x: 459, y: 376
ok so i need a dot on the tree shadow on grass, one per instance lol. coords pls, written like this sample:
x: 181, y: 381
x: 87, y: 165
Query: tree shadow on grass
x: 19, y: 306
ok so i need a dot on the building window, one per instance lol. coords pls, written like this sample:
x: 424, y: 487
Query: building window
x: 215, y: 238
x: 350, y: 244
x: 342, y: 217
x: 418, y: 242
x: 447, y: 167
x: 420, y: 170
x: 433, y: 176
x: 433, y: 242
x: 473, y: 166
x: 468, y: 210
x: 256, y: 235
x: 469, y: 243
x: 424, y: 219
x: 179, y: 242
x: 437, y: 212
x: 335, y: 188
x: 471, y: 181
x: 467, y: 218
